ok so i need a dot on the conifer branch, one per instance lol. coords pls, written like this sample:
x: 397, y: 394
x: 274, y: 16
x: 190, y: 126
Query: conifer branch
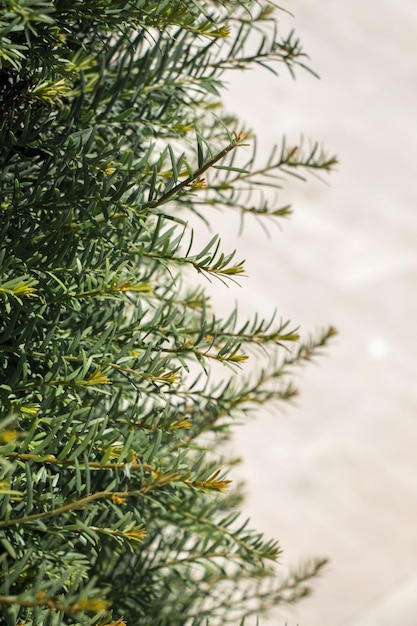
x: 110, y: 126
x: 196, y: 176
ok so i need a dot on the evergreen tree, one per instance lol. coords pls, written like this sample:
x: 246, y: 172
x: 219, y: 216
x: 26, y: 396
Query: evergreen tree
x: 114, y: 497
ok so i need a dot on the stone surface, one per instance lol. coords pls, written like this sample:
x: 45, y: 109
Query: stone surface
x: 337, y: 474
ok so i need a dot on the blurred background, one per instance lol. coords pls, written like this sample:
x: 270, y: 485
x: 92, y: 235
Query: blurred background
x: 336, y: 475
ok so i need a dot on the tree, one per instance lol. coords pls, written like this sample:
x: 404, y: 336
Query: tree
x: 115, y: 499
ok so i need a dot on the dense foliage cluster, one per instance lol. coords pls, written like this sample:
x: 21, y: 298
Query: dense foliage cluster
x: 114, y: 497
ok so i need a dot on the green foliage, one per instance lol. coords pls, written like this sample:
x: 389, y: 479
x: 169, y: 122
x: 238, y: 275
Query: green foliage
x: 114, y: 497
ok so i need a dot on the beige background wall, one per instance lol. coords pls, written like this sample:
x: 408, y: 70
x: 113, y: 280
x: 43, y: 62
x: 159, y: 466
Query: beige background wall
x: 337, y: 474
